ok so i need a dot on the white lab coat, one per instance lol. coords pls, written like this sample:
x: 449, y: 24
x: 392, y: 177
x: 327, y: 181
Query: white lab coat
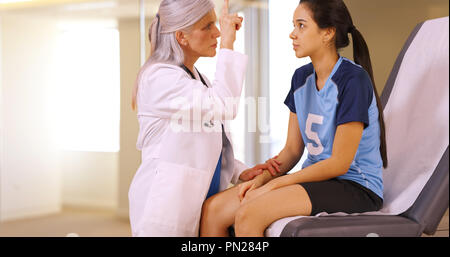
x: 171, y: 184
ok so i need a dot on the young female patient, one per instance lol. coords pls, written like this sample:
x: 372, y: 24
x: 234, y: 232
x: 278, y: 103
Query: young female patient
x: 336, y: 113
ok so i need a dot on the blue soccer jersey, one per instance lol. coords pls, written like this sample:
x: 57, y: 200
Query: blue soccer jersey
x: 347, y: 96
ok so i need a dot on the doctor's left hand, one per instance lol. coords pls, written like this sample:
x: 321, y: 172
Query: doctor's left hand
x: 249, y: 174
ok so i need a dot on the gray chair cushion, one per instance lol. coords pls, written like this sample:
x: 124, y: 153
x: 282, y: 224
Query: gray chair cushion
x: 352, y: 226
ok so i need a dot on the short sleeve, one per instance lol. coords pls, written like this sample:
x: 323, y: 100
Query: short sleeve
x: 354, y: 100
x: 289, y: 101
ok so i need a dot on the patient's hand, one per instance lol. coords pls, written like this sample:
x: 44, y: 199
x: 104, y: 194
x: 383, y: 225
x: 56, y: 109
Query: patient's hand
x: 255, y: 193
x: 248, y: 186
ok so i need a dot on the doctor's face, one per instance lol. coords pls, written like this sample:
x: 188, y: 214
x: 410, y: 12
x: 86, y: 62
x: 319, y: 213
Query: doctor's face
x: 306, y: 36
x: 202, y: 39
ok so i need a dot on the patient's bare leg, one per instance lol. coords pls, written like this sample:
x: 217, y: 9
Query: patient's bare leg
x: 218, y: 213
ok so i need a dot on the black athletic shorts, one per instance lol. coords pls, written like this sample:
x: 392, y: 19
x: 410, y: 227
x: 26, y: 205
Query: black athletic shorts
x: 339, y: 195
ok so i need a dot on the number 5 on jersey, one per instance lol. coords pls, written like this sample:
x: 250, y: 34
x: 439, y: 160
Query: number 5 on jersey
x: 313, y: 136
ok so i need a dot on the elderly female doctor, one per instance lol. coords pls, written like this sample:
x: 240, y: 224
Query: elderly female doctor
x: 184, y: 164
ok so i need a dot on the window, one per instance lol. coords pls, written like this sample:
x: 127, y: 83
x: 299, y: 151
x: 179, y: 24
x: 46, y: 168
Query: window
x: 87, y: 104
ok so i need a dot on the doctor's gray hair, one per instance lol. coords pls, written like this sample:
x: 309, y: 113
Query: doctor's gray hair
x: 173, y: 15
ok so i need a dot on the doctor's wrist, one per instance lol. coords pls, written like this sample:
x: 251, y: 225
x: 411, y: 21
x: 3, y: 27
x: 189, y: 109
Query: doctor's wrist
x: 227, y: 45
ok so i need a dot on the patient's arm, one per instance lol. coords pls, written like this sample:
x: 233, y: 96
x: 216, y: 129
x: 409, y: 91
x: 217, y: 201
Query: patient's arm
x: 292, y: 151
x: 345, y: 146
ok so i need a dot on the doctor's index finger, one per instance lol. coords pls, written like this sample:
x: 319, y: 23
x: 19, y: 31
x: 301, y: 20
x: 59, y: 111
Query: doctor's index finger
x: 225, y: 7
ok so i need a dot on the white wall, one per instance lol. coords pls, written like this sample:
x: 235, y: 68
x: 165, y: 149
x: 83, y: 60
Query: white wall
x: 89, y: 179
x: 29, y: 179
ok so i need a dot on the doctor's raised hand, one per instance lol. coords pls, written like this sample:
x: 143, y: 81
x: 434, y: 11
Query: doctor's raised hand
x: 229, y: 24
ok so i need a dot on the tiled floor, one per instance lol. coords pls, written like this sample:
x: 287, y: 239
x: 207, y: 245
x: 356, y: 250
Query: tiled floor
x: 90, y: 223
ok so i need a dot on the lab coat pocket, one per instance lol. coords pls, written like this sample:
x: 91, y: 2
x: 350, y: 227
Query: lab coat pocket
x: 176, y: 199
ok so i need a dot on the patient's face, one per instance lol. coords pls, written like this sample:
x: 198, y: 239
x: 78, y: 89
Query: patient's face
x: 306, y: 36
x: 202, y: 40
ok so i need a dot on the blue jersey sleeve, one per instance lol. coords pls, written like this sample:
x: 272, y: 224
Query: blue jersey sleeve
x: 289, y: 101
x: 354, y: 99
x: 298, y: 80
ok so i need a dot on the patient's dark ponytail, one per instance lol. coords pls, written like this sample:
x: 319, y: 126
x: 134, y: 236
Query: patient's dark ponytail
x: 362, y: 57
x: 334, y: 13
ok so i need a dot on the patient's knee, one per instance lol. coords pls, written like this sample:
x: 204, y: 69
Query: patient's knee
x: 211, y: 207
x: 241, y: 214
x: 243, y: 219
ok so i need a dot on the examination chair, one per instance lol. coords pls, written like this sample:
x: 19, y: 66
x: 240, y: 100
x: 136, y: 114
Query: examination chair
x: 409, y: 210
